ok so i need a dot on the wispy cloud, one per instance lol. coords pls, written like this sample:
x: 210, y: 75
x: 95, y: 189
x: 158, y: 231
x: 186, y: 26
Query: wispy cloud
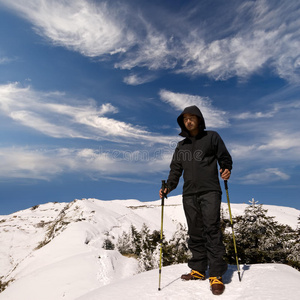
x: 136, y: 79
x: 44, y: 164
x: 5, y: 60
x: 261, y: 33
x: 279, y: 149
x: 253, y: 115
x: 279, y: 108
x: 56, y: 115
x: 264, y: 176
x: 282, y: 141
x: 270, y: 139
x: 268, y: 36
x: 268, y: 143
x: 25, y: 163
x: 155, y: 50
x: 214, y: 117
x: 91, y: 28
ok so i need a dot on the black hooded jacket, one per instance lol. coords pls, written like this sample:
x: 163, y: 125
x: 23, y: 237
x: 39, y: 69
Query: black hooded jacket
x: 197, y: 158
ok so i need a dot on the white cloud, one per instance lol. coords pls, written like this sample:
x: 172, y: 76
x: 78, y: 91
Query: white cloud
x: 214, y: 117
x: 135, y: 79
x: 267, y: 136
x: 239, y: 55
x: 55, y: 115
x: 267, y: 147
x: 264, y: 176
x: 24, y: 163
x: 272, y: 143
x: 250, y: 115
x: 5, y: 60
x: 154, y: 50
x: 277, y: 110
x: 35, y: 121
x: 240, y: 152
x: 44, y: 164
x: 268, y: 36
x: 93, y: 29
x: 282, y: 141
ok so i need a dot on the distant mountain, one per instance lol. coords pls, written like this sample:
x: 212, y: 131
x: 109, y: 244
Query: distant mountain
x: 54, y: 251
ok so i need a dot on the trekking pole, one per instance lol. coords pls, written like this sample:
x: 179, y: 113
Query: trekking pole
x: 233, y: 237
x: 163, y: 187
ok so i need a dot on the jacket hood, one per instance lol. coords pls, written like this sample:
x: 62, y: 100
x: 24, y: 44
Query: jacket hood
x: 194, y: 110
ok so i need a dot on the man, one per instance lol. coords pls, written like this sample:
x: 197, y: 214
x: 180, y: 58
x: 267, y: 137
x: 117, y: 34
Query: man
x: 196, y: 157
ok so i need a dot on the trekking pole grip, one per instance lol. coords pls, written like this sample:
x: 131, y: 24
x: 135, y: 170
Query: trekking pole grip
x: 163, y: 187
x: 226, y: 185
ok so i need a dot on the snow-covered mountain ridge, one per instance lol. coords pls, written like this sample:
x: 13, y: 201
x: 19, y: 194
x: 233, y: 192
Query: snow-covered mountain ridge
x: 57, y: 247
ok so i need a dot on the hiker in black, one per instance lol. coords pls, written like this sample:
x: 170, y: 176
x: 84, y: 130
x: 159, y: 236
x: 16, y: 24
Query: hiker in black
x: 197, y: 157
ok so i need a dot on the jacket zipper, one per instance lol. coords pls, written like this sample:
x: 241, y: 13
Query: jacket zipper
x: 193, y: 165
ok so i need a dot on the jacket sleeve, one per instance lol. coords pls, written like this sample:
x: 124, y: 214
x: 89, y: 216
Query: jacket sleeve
x: 223, y: 156
x: 175, y: 171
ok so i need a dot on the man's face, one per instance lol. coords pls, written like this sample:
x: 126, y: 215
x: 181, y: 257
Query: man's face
x: 191, y: 122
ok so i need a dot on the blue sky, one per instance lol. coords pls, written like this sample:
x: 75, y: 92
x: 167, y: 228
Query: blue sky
x: 90, y: 92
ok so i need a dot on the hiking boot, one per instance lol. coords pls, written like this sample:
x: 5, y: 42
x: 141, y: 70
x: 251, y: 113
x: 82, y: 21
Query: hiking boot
x: 194, y: 275
x: 216, y: 285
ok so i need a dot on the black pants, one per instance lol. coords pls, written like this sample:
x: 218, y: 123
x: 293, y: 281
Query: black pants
x: 205, y: 236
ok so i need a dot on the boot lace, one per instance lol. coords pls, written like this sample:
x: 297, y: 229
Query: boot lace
x: 215, y: 280
x: 197, y: 274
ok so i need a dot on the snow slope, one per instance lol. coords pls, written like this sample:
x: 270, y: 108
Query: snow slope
x: 54, y: 251
x: 259, y: 282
